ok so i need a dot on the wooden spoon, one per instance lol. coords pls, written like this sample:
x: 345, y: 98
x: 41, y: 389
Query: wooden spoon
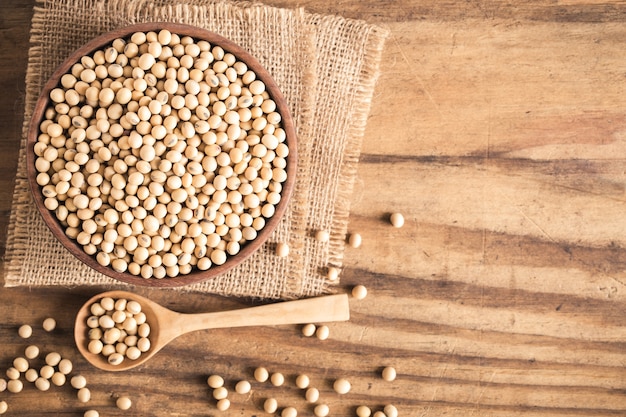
x: 166, y: 325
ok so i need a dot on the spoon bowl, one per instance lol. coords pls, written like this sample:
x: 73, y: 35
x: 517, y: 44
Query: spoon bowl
x: 166, y: 325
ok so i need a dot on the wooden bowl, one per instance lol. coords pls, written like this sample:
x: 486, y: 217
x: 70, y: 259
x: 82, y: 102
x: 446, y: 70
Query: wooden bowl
x: 196, y: 275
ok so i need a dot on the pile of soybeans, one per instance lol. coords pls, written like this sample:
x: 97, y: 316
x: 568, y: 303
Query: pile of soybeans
x: 161, y: 154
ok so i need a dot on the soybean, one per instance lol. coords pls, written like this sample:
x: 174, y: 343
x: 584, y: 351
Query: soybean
x: 309, y: 329
x: 312, y: 395
x: 53, y: 358
x: 78, y: 382
x: 332, y: 274
x: 396, y: 220
x: 223, y: 404
x: 302, y: 381
x: 282, y: 249
x: 322, y: 236
x: 342, y: 386
x: 49, y: 324
x: 359, y: 292
x: 270, y: 405
x: 355, y: 240
x: 123, y: 403
x: 261, y: 374
x: 390, y: 410
x: 42, y: 384
x: 363, y: 411
x: 25, y: 331
x: 31, y: 375
x: 12, y: 374
x: 242, y: 387
x: 215, y: 381
x: 83, y: 395
x: 15, y: 386
x: 321, y: 410
x: 289, y: 412
x: 277, y: 379
x: 46, y: 371
x: 58, y: 379
x: 322, y: 332
x: 388, y: 373
x: 220, y: 393
x: 21, y: 364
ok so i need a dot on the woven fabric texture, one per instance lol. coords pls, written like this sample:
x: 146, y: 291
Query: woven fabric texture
x: 326, y: 67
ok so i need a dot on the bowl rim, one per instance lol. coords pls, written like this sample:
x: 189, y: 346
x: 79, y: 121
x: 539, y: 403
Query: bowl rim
x: 198, y: 33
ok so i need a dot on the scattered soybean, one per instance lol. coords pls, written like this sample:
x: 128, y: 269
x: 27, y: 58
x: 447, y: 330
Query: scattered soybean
x: 312, y: 395
x: 289, y: 412
x: 355, y: 240
x: 25, y: 331
x: 390, y: 410
x: 243, y: 387
x: 282, y: 249
x: 308, y: 330
x: 359, y: 292
x: 322, y: 236
x: 396, y: 220
x: 321, y: 410
x: 261, y: 374
x: 123, y: 402
x: 363, y: 411
x: 215, y: 381
x: 220, y: 393
x: 302, y: 381
x: 388, y: 373
x: 342, y: 386
x: 322, y: 332
x: 223, y: 404
x: 277, y: 379
x: 270, y: 405
x: 49, y: 324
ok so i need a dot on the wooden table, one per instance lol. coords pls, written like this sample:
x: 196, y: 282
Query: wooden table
x: 500, y: 133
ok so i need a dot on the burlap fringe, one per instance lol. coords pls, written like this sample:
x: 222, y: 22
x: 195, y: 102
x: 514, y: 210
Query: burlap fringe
x: 374, y: 40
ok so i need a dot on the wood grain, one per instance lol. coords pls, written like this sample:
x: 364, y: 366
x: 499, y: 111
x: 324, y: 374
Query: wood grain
x: 14, y: 26
x: 498, y: 131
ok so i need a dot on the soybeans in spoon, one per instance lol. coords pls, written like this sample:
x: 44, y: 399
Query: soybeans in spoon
x: 161, y: 325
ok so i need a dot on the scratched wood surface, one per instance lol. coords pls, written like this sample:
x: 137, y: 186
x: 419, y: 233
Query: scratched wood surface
x: 500, y: 133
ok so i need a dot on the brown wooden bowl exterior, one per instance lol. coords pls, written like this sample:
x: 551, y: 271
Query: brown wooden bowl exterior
x: 200, y: 34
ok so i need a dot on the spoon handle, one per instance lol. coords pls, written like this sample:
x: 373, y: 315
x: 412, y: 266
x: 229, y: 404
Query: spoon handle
x: 312, y: 310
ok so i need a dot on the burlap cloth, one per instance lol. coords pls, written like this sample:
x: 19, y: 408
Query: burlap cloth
x: 326, y: 66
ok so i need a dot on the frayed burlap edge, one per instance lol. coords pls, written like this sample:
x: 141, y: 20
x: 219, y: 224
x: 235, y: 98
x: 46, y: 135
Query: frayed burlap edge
x: 370, y: 51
